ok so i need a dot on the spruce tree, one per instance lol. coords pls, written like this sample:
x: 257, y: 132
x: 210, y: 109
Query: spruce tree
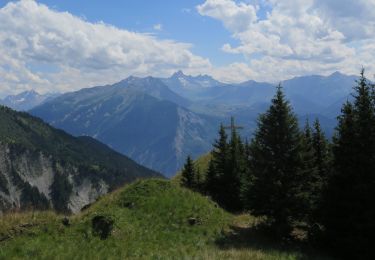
x: 211, y: 184
x: 309, y: 171
x: 198, y: 181
x: 348, y: 209
x: 188, y: 177
x: 322, y: 151
x: 275, y: 165
x: 322, y: 162
x: 220, y: 153
x: 218, y: 166
x: 232, y: 177
x: 226, y: 170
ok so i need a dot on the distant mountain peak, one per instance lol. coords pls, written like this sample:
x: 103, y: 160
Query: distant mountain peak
x: 135, y: 80
x: 178, y: 74
x: 26, y: 99
x: 130, y: 79
x: 181, y: 74
x: 181, y: 80
x: 32, y: 91
x: 337, y: 74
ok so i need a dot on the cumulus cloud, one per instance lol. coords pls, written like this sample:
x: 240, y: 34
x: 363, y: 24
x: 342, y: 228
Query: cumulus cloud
x: 49, y: 50
x: 74, y: 53
x: 236, y: 17
x: 298, y: 37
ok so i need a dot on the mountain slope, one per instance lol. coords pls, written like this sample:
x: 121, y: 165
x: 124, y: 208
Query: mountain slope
x: 43, y: 167
x: 26, y: 100
x: 137, y: 117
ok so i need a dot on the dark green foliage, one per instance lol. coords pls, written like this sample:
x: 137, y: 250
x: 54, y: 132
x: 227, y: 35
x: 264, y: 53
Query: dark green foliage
x: 61, y: 189
x: 232, y: 178
x: 348, y: 210
x: 188, y: 178
x: 220, y: 153
x: 211, y: 185
x: 278, y: 188
x: 218, y: 166
x: 309, y: 173
x: 322, y: 151
x: 322, y: 163
x: 31, y: 198
x: 226, y: 170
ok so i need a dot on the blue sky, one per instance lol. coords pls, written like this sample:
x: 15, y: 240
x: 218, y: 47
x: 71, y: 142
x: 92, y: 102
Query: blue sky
x: 65, y: 45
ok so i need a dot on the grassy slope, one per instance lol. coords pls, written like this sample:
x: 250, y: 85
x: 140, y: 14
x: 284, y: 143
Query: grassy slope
x: 155, y: 227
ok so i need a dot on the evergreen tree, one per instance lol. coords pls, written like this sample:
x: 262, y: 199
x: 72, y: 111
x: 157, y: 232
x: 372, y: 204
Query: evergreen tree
x: 211, y: 185
x: 322, y: 163
x: 276, y: 165
x: 220, y: 153
x: 348, y: 209
x: 309, y: 171
x: 226, y: 170
x: 322, y: 151
x: 232, y: 177
x: 198, y: 181
x: 188, y: 179
x: 218, y: 166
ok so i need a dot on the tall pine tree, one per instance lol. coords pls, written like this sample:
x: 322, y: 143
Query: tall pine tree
x: 322, y: 162
x: 322, y: 151
x: 226, y: 170
x: 218, y: 166
x: 309, y: 171
x: 348, y: 208
x: 276, y: 165
x: 232, y: 178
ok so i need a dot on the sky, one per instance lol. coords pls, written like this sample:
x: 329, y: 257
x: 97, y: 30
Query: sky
x: 58, y: 46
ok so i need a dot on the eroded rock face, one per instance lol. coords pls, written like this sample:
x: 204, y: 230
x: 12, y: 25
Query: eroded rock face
x: 27, y: 178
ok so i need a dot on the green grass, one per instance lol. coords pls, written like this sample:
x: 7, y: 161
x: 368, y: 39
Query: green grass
x: 151, y: 221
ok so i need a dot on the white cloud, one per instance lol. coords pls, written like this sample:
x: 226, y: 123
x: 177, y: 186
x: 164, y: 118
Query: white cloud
x: 158, y: 27
x: 298, y: 37
x: 48, y: 50
x: 236, y: 17
x: 81, y: 53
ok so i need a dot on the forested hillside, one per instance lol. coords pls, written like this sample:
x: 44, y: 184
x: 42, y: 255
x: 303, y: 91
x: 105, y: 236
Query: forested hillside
x: 42, y: 167
x: 296, y: 178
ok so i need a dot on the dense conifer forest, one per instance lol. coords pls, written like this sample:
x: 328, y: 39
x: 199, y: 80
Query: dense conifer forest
x: 297, y: 179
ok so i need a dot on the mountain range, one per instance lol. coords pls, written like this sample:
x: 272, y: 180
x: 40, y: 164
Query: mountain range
x: 42, y: 167
x: 26, y: 100
x: 141, y: 118
x: 159, y: 121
